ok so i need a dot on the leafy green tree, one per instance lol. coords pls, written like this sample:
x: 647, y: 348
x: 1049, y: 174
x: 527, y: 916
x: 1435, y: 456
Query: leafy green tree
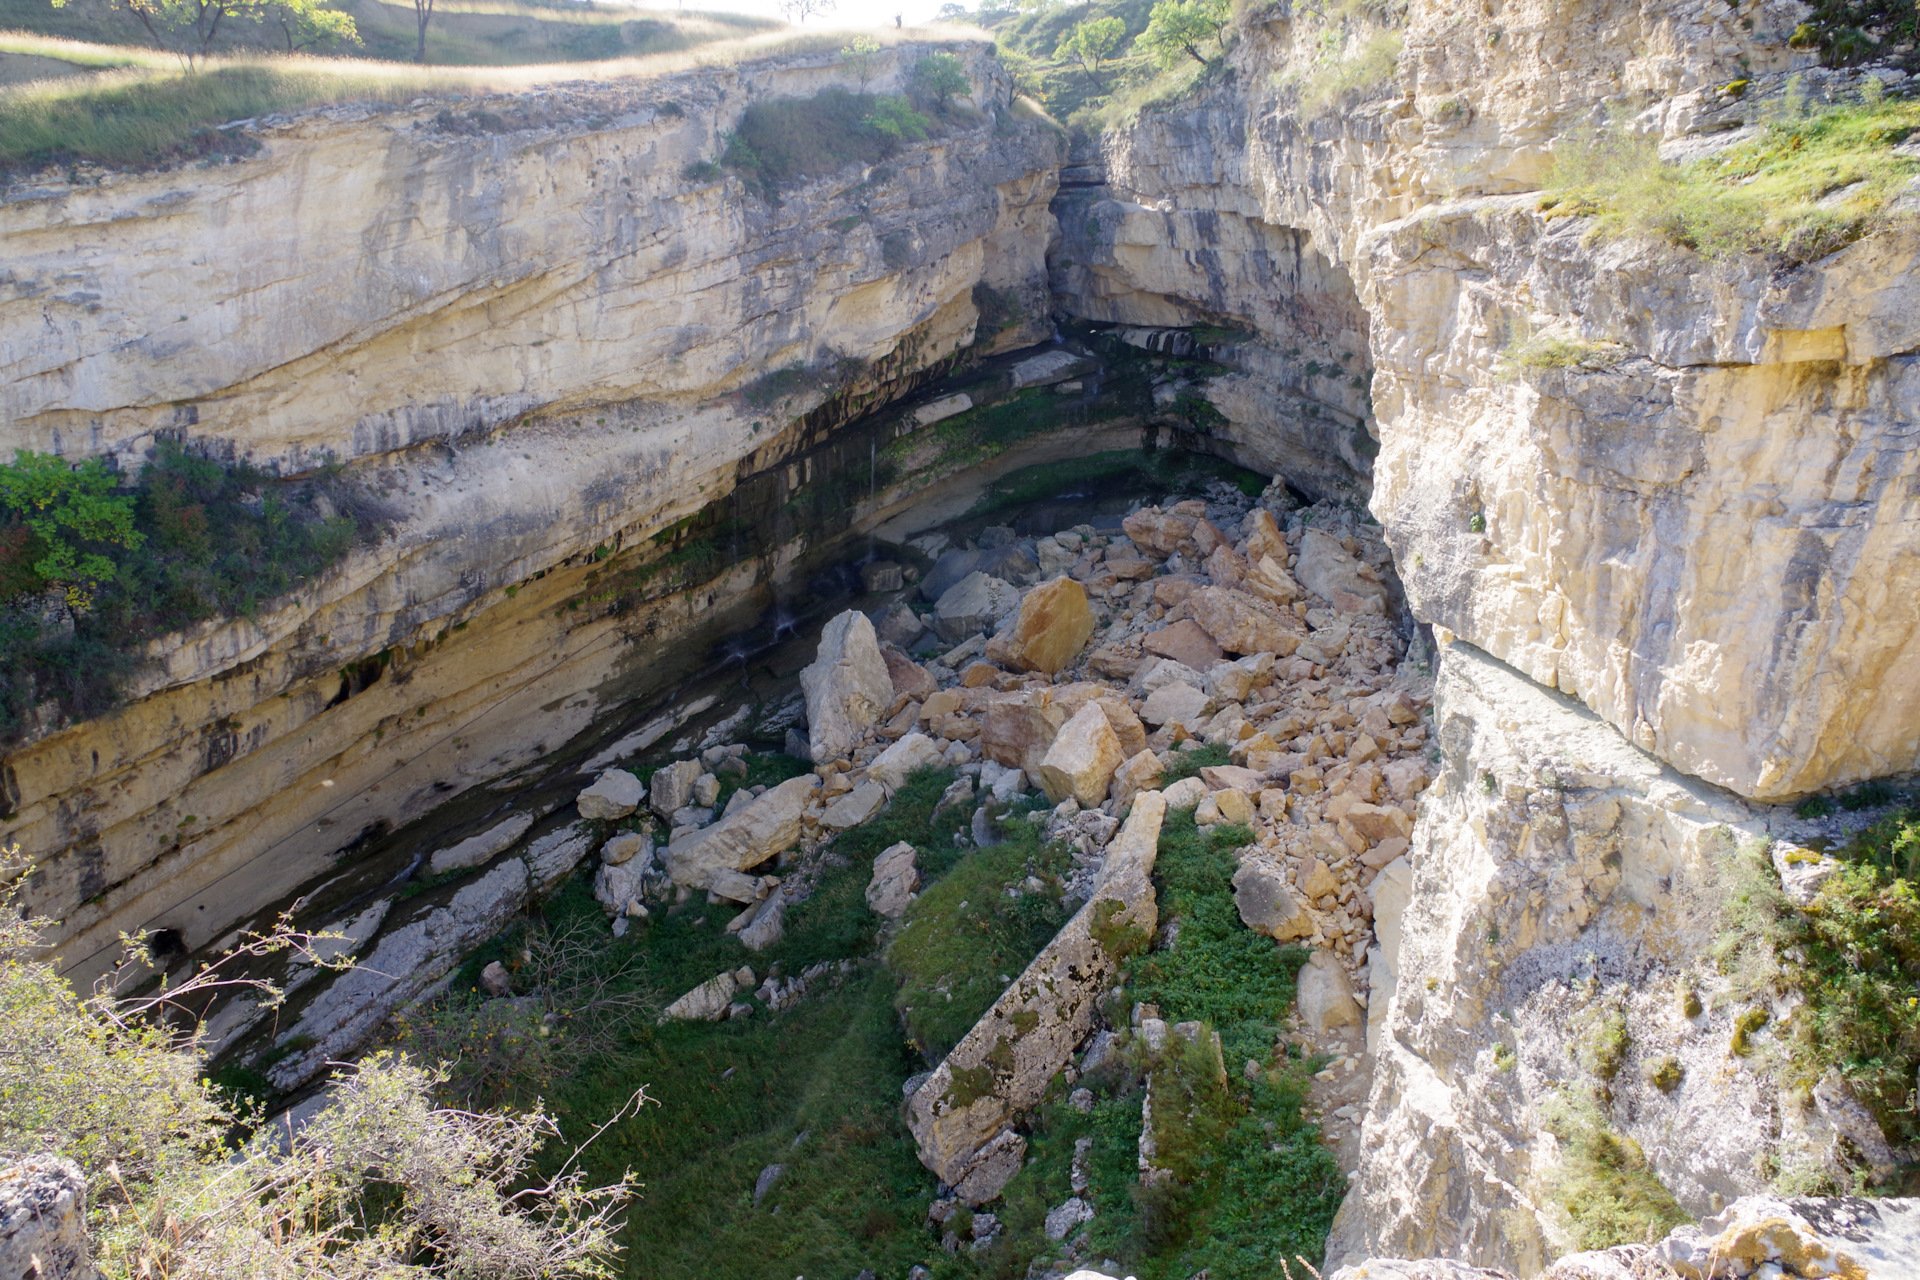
x: 895, y: 119
x: 940, y: 77
x: 72, y: 515
x: 861, y: 52
x: 1180, y: 27
x: 190, y: 27
x: 1091, y: 43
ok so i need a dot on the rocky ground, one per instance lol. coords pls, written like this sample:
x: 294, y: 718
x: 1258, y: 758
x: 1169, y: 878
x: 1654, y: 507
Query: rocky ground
x: 1239, y: 658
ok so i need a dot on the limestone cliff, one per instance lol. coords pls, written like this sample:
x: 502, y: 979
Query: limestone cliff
x: 541, y: 331
x: 1698, y: 539
x: 1571, y: 522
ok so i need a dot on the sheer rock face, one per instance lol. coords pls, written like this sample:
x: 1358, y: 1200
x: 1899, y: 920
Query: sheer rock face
x: 1562, y: 881
x: 535, y: 341
x: 1698, y: 529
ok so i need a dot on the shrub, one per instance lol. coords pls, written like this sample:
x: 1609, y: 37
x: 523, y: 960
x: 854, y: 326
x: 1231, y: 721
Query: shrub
x: 895, y: 119
x: 1604, y: 1186
x: 1604, y: 1051
x: 67, y: 520
x: 379, y: 1184
x: 191, y: 539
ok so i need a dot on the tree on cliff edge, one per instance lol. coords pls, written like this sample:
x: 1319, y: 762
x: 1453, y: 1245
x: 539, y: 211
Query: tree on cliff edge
x: 1180, y: 27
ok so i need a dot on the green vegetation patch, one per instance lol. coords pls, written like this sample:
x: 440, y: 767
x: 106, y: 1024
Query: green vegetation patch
x: 973, y: 929
x: 1853, y: 954
x: 1249, y: 1183
x: 92, y: 568
x: 1806, y: 186
x: 783, y: 143
x: 1604, y: 1186
x: 1188, y: 764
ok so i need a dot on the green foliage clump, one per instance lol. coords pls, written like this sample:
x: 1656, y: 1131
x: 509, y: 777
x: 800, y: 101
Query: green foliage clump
x: 782, y: 143
x: 1604, y: 1049
x: 1853, y: 954
x: 1345, y: 67
x: 1186, y: 29
x: 1847, y: 32
x: 1604, y: 1186
x: 1806, y: 186
x: 59, y: 524
x: 1666, y: 1074
x: 190, y: 539
x: 1092, y: 42
x: 939, y: 78
x: 1188, y: 764
x: 1540, y: 351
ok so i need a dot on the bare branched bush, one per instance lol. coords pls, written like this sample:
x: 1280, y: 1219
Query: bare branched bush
x: 380, y: 1183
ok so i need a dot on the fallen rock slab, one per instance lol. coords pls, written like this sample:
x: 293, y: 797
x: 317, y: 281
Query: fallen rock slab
x: 895, y: 879
x: 767, y: 827
x: 960, y: 1116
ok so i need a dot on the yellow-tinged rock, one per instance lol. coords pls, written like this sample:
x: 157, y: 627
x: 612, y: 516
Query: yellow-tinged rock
x: 1083, y: 758
x: 1052, y: 626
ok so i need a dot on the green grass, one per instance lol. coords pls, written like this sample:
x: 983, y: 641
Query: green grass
x: 1188, y: 764
x: 782, y: 143
x: 1853, y: 955
x: 1540, y: 351
x: 1603, y: 1186
x: 153, y: 113
x: 1806, y: 186
x: 1344, y: 69
x: 965, y: 936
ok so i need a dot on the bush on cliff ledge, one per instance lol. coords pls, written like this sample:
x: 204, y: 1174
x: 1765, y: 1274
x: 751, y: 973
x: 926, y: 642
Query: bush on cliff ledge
x: 91, y: 569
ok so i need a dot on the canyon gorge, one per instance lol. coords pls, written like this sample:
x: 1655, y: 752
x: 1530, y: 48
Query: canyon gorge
x: 1467, y: 599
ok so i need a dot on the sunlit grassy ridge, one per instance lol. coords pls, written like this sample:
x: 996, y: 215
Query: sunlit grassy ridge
x: 147, y: 110
x: 1803, y: 186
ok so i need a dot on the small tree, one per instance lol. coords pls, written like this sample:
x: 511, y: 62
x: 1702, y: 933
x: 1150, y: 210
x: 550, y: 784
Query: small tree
x: 72, y: 515
x: 1091, y: 43
x: 1184, y: 27
x: 861, y: 52
x: 313, y: 26
x: 798, y: 11
x: 939, y: 78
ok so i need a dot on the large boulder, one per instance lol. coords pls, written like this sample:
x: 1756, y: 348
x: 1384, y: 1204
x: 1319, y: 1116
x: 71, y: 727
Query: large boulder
x: 1053, y: 624
x: 1082, y: 759
x: 705, y: 1003
x: 1181, y: 529
x: 891, y: 767
x: 847, y: 687
x: 1326, y: 568
x: 767, y: 827
x: 1016, y: 730
x: 1241, y: 623
x: 1186, y: 643
x: 614, y: 794
x: 1267, y: 904
x: 1177, y: 703
x: 1325, y: 995
x: 672, y: 787
x: 972, y: 605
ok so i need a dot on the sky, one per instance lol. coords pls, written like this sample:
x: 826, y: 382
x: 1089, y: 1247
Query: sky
x: 845, y: 13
